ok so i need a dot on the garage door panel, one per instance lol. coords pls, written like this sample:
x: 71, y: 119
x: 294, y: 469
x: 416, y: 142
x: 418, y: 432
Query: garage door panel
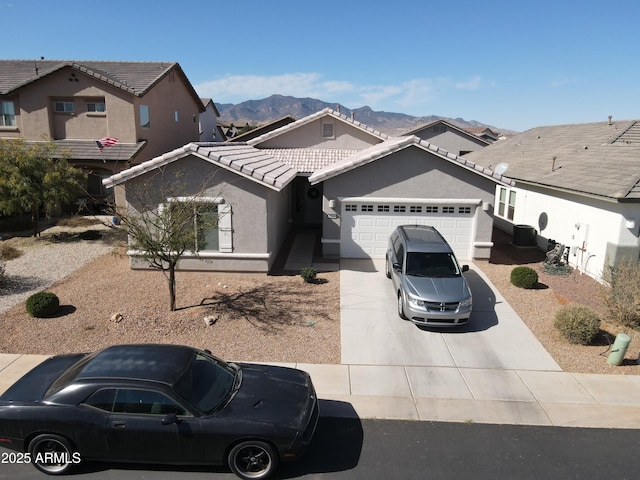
x: 366, y: 233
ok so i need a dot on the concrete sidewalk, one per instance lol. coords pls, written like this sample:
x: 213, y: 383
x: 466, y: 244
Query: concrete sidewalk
x: 449, y: 394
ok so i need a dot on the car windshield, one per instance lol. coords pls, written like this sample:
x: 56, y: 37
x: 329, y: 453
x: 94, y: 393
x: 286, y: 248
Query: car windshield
x: 422, y: 264
x: 209, y: 383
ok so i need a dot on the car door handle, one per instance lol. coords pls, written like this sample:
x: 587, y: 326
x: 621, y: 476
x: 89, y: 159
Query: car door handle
x: 118, y: 424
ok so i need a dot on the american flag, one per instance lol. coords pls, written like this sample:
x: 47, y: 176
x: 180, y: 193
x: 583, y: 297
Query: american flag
x: 106, y: 142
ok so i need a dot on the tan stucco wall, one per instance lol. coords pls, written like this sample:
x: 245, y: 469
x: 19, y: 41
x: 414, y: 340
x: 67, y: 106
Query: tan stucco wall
x: 310, y: 136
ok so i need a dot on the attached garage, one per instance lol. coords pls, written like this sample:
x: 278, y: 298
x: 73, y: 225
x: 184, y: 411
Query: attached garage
x: 366, y: 223
x: 405, y: 181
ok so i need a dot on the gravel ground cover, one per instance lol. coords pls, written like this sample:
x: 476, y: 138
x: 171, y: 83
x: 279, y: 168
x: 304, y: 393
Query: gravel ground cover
x: 276, y: 318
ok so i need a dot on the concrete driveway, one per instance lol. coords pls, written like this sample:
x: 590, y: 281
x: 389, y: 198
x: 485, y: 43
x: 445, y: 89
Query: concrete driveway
x: 373, y: 333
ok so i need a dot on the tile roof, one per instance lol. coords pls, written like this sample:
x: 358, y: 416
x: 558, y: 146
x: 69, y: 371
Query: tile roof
x: 309, y: 160
x: 135, y: 78
x: 313, y: 117
x: 598, y: 159
x: 467, y: 132
x: 393, y: 145
x: 243, y: 159
x: 262, y: 129
x: 88, y: 150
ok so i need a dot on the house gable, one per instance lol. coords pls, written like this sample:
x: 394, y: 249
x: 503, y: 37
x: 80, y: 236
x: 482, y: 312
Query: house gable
x: 325, y: 129
x: 394, y: 145
x: 449, y: 136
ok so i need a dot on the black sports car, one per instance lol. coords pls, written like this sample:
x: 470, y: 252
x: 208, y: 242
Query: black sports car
x: 166, y: 404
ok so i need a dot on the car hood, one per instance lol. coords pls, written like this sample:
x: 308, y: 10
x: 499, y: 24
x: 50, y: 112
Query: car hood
x: 438, y: 289
x: 273, y: 395
x: 32, y: 386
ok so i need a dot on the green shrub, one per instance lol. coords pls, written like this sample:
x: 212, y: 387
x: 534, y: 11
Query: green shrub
x: 308, y: 274
x: 622, y: 298
x: 42, y: 304
x: 577, y: 323
x: 524, y: 277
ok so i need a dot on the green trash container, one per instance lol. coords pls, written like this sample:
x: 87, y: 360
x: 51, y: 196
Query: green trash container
x: 619, y: 349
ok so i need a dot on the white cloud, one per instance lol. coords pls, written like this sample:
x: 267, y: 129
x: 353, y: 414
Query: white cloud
x: 238, y: 88
x: 411, y: 94
x: 473, y: 83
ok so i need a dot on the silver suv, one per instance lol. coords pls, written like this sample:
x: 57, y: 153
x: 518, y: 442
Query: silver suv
x: 427, y: 277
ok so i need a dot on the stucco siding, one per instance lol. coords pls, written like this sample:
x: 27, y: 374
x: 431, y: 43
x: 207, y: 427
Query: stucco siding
x: 37, y: 116
x: 250, y: 204
x: 168, y: 96
x: 597, y: 232
x: 310, y: 136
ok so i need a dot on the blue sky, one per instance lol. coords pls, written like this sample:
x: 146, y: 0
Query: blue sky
x: 512, y: 64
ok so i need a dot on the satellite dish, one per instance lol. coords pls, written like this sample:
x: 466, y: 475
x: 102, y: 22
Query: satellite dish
x: 501, y: 168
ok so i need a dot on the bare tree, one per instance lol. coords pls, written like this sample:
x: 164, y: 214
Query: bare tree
x: 165, y: 219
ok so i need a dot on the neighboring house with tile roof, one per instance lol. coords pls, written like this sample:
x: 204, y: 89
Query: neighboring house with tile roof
x: 330, y: 172
x: 262, y: 129
x: 150, y: 107
x: 578, y: 185
x: 484, y: 133
x: 208, y: 122
x: 449, y: 136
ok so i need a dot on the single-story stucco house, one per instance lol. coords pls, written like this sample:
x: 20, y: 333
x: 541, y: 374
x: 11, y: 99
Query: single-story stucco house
x: 328, y: 171
x: 578, y: 185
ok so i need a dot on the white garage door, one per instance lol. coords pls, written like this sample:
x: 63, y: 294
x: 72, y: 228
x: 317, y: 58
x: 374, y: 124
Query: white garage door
x: 366, y: 226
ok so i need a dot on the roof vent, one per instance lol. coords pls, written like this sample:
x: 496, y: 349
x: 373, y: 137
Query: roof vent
x: 610, y: 122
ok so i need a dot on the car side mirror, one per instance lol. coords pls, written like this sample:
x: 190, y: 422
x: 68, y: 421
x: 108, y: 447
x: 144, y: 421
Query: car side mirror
x: 170, y: 418
x: 397, y: 267
x: 465, y: 268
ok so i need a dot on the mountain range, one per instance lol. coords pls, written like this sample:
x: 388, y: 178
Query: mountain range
x: 275, y: 107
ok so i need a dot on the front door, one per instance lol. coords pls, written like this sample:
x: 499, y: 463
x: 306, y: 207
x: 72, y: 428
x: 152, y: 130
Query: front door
x: 307, y: 203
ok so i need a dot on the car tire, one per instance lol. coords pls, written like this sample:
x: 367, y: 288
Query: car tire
x: 386, y: 268
x: 44, y: 446
x: 253, y: 460
x: 401, y: 307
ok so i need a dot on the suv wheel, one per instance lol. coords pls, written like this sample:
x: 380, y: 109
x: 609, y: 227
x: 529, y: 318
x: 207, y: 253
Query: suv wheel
x: 401, y: 307
x: 386, y: 268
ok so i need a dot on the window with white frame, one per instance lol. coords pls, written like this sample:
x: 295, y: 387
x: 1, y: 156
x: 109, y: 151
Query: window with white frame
x: 63, y: 106
x: 506, y: 203
x: 96, y: 107
x: 7, y: 114
x: 211, y: 223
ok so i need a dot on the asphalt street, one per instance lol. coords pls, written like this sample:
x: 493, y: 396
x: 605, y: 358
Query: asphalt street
x: 354, y: 449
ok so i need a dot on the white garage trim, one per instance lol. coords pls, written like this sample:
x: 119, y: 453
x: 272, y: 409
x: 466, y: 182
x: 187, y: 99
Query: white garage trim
x: 366, y: 223
x: 417, y: 201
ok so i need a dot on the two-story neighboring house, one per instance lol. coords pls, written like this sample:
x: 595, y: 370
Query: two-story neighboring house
x: 146, y: 108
